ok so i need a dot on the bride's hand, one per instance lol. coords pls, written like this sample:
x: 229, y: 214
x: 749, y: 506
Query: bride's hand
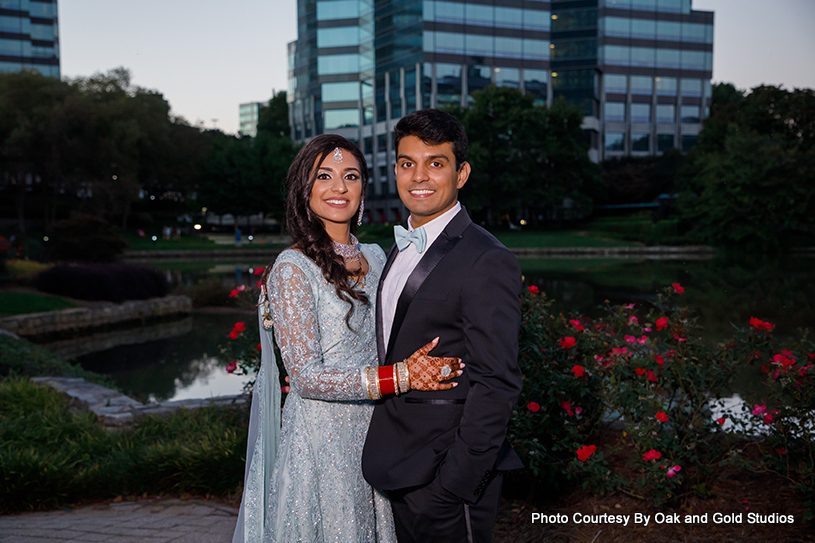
x: 428, y: 372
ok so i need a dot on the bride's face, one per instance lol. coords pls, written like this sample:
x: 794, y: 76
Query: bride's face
x: 337, y: 190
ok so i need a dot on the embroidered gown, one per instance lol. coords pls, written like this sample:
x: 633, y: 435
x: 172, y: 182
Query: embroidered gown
x: 312, y: 489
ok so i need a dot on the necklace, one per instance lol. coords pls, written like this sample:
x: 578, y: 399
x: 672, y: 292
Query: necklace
x: 350, y: 252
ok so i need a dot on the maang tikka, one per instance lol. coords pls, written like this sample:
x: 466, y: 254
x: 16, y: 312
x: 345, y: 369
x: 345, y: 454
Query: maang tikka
x: 337, y: 155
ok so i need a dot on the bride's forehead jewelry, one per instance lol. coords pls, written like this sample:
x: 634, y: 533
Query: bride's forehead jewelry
x: 337, y: 155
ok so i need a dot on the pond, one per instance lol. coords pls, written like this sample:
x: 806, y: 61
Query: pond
x: 182, y: 361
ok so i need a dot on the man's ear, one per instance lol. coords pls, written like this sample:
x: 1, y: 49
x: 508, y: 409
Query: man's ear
x: 463, y: 174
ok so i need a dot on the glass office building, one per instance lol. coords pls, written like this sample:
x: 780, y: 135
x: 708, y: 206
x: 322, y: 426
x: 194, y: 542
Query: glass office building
x: 248, y: 116
x: 29, y: 37
x: 640, y: 69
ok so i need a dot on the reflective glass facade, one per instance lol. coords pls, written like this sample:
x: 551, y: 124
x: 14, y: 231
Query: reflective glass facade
x: 639, y: 69
x: 248, y: 116
x: 29, y: 36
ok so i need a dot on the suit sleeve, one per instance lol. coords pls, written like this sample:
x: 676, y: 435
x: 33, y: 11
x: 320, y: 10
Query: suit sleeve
x: 491, y: 312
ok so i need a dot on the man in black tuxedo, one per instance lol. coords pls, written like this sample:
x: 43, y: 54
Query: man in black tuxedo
x: 440, y: 454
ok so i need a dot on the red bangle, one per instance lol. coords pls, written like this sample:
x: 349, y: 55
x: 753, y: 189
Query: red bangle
x: 386, y: 382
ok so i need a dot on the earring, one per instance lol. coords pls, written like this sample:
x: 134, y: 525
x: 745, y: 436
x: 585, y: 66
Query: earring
x: 361, y: 208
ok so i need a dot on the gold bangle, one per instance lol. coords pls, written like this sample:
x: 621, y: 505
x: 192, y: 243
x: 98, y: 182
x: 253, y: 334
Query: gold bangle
x: 372, y: 378
x: 403, y: 376
x: 365, y: 383
x: 395, y: 381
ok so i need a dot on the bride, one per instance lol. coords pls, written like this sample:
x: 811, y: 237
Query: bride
x: 304, y: 483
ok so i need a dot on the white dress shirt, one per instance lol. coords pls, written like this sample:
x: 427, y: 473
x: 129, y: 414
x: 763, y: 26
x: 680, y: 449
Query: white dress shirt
x: 404, y: 264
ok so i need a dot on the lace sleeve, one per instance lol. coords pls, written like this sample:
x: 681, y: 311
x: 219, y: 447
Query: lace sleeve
x: 297, y: 332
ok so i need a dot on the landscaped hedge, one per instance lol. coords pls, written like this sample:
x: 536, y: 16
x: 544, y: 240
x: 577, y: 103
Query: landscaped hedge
x: 114, y: 282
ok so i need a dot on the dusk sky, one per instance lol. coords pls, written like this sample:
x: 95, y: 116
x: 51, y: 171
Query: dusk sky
x: 208, y: 56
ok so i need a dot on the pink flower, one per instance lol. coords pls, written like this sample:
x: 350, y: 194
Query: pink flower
x: 598, y: 359
x: 578, y: 410
x: 672, y: 471
x: 680, y: 339
x: 768, y: 418
x: 659, y: 359
x: 652, y: 376
x: 630, y: 306
x: 576, y: 324
x: 642, y: 340
x: 285, y: 389
x: 619, y: 351
x: 567, y: 342
x: 759, y: 409
x: 647, y: 329
x: 241, y: 288
x: 630, y: 339
x: 533, y: 406
x: 661, y: 417
x: 662, y: 323
x: 633, y: 320
x: 231, y: 367
x: 578, y: 370
x: 652, y: 455
x: 678, y: 288
x: 584, y: 452
x: 568, y: 407
x: 533, y: 289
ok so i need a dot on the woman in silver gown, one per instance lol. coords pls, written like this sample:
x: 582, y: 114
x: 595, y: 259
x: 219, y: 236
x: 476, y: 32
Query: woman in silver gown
x: 305, y: 483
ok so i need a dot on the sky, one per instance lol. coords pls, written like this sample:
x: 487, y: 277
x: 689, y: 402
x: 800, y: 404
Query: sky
x: 206, y: 56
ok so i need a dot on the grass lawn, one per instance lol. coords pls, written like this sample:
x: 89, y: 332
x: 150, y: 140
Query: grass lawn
x: 17, y: 303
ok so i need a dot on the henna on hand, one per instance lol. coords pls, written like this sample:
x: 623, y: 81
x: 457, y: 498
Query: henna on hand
x: 428, y: 372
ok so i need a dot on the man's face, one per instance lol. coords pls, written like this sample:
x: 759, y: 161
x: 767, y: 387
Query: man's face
x: 427, y: 179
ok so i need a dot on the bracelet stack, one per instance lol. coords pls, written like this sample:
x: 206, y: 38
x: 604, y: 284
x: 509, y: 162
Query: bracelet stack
x: 382, y: 380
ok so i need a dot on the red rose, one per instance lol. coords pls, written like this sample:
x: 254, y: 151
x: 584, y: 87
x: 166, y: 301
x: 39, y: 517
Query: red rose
x: 768, y: 418
x: 652, y: 455
x: 661, y: 417
x: 533, y: 406
x: 259, y: 347
x: 258, y: 271
x: 231, y: 367
x: 233, y: 293
x: 652, y: 376
x: 720, y: 420
x: 678, y: 288
x: 759, y: 324
x: 576, y: 324
x: 640, y: 371
x: 584, y: 452
x: 567, y: 342
x: 533, y: 289
x: 662, y: 323
x: 578, y: 370
x: 239, y: 327
x: 659, y: 359
x: 233, y: 334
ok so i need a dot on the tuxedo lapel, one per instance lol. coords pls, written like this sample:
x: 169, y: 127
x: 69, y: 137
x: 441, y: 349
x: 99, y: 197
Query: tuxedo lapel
x: 380, y: 339
x: 448, y: 239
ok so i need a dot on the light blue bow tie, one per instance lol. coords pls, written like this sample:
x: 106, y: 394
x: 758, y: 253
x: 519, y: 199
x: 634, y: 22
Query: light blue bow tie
x: 404, y: 238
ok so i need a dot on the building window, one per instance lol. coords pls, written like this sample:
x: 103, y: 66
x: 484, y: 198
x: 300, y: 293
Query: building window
x: 341, y: 118
x: 640, y: 142
x: 337, y: 9
x: 535, y: 83
x: 690, y: 114
x: 669, y: 31
x: 509, y: 77
x: 615, y: 142
x: 644, y: 29
x: 616, y: 27
x: 509, y: 17
x: 340, y: 92
x: 479, y: 15
x: 449, y: 42
x: 670, y: 6
x: 669, y: 58
x: 615, y: 112
x: 666, y: 113
x: 665, y: 142
x: 449, y: 12
x: 641, y: 85
x: 640, y: 113
x: 477, y: 45
x: 644, y: 5
x: 448, y: 84
x: 344, y: 36
x: 616, y: 84
x: 338, y: 64
x: 508, y: 47
x: 478, y: 78
x: 666, y: 86
x: 691, y: 88
x: 535, y: 20
x: 688, y: 143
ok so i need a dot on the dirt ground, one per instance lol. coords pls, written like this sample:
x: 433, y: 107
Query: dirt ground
x: 766, y: 496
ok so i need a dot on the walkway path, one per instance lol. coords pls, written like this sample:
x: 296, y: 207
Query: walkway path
x: 142, y: 521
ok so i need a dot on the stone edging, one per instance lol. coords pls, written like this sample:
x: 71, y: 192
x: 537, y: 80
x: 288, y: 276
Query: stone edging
x: 96, y: 316
x: 657, y: 251
x: 115, y: 409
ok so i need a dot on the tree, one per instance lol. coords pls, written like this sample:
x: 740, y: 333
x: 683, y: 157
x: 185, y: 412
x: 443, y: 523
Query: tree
x: 751, y: 177
x: 527, y: 161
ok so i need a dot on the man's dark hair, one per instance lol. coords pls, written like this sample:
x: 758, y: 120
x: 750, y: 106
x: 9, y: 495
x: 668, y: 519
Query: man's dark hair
x: 433, y: 127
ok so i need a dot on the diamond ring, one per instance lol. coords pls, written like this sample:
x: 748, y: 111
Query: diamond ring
x: 446, y: 371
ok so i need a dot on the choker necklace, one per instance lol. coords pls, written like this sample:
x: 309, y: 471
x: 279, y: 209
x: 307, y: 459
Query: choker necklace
x: 350, y: 252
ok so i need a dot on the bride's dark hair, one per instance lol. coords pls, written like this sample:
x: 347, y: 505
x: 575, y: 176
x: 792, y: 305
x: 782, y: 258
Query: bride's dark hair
x: 306, y: 228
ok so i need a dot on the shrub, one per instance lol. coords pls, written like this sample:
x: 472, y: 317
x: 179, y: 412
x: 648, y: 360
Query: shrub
x: 114, y: 282
x: 23, y: 358
x: 87, y: 238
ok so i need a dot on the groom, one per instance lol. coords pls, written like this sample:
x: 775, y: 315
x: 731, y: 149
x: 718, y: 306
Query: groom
x: 441, y: 454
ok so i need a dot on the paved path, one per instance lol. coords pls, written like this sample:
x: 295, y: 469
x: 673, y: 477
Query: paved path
x: 143, y: 521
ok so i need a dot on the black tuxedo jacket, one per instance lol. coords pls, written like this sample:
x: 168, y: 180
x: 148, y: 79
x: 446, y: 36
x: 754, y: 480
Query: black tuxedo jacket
x: 466, y: 290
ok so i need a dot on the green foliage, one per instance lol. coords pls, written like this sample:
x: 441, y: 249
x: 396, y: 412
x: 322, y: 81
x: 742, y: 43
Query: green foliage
x: 51, y: 455
x: 18, y: 303
x: 23, y: 358
x: 526, y: 159
x: 750, y: 176
x: 648, y: 374
x: 85, y: 237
